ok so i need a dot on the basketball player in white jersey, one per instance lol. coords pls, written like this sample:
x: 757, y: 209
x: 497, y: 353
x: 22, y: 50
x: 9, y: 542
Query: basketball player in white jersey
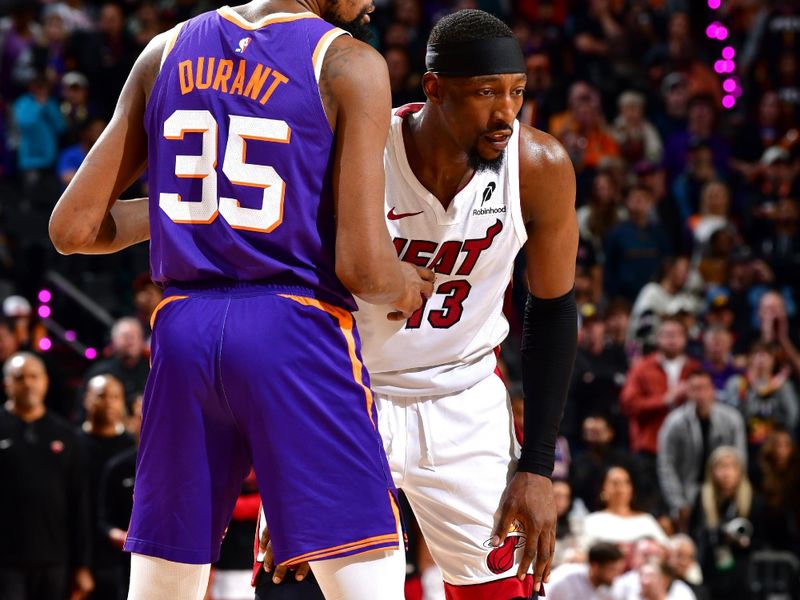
x: 467, y: 187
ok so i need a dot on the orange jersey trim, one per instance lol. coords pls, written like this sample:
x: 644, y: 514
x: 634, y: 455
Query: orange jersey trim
x: 392, y: 538
x: 346, y: 325
x: 231, y: 15
x: 173, y: 38
x: 161, y: 305
x: 322, y: 47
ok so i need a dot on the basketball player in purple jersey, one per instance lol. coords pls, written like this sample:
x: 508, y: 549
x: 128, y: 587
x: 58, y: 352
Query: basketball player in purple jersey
x: 263, y: 129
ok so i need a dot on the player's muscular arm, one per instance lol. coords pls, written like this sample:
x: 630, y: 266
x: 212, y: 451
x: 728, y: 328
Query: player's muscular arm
x: 88, y: 219
x: 547, y: 191
x: 354, y: 85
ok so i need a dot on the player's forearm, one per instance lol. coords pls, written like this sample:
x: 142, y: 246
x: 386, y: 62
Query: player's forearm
x: 549, y: 345
x: 371, y: 271
x: 126, y: 224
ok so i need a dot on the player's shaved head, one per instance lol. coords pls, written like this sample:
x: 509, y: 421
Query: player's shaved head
x: 25, y: 379
x: 468, y: 26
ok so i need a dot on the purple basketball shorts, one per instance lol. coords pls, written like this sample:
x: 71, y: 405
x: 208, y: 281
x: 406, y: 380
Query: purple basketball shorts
x: 270, y: 377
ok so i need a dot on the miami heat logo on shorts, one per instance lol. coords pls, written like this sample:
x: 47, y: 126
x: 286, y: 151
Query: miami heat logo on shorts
x: 501, y: 559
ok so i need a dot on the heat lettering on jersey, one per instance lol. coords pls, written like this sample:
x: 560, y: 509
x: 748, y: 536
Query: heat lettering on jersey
x: 204, y: 72
x: 442, y: 258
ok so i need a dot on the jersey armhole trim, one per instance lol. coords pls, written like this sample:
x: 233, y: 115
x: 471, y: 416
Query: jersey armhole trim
x: 173, y: 37
x: 513, y: 183
x: 318, y: 58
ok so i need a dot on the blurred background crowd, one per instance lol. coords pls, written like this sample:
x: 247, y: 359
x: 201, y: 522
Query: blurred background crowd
x: 678, y: 472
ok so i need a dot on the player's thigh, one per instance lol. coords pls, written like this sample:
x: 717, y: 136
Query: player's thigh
x: 292, y: 372
x: 371, y: 576
x: 158, y: 579
x: 192, y: 458
x: 455, y: 488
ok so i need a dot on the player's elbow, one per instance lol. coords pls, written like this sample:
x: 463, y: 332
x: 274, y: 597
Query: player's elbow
x: 359, y: 277
x: 65, y: 239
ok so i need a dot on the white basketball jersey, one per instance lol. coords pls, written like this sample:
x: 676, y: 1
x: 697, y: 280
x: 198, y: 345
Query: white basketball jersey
x: 448, y: 345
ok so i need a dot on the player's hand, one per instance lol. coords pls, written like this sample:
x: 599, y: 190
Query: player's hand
x: 82, y: 584
x: 529, y: 499
x: 418, y: 288
x: 265, y: 546
x: 117, y: 537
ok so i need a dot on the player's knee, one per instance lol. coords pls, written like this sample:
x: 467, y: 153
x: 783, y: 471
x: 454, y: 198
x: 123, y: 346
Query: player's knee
x: 155, y: 578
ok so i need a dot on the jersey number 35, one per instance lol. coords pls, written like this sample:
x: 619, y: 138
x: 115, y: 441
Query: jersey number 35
x: 239, y: 172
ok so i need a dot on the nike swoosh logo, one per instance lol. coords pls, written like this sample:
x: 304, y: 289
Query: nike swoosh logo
x: 393, y: 216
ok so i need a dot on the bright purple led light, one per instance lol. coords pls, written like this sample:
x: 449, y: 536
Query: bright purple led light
x: 730, y: 66
x: 722, y: 33
x: 90, y: 353
x: 728, y: 53
x: 714, y: 4
x: 729, y: 85
x: 711, y: 30
x: 44, y: 311
x: 70, y: 336
x: 45, y: 344
x: 728, y: 101
x: 45, y: 296
x: 719, y: 66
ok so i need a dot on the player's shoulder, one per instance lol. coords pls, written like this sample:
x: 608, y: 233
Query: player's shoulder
x: 539, y: 151
x: 547, y: 176
x: 349, y: 58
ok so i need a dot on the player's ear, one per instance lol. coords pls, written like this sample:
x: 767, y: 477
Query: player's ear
x: 433, y: 86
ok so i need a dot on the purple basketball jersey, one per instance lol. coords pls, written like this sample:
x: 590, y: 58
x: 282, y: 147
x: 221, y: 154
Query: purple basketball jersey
x: 240, y: 156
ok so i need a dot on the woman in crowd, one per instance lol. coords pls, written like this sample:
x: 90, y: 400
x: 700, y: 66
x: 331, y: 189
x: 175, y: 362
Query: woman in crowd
x: 778, y: 477
x: 722, y: 525
x: 619, y: 522
x: 668, y: 295
x: 766, y: 397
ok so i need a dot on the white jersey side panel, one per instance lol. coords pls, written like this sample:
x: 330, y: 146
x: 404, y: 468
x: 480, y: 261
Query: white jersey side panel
x: 449, y: 345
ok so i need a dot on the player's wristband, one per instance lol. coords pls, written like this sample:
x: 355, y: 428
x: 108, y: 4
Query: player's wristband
x: 549, y: 344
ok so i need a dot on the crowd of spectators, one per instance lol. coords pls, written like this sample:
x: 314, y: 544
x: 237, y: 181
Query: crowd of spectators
x: 678, y: 462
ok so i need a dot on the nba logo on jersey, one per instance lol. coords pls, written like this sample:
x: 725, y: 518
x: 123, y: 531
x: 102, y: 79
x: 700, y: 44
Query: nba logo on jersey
x: 243, y: 44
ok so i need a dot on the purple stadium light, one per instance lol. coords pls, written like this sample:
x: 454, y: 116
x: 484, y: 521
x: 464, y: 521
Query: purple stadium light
x: 729, y: 85
x: 722, y: 33
x: 728, y: 102
x: 45, y: 344
x: 714, y: 4
x: 70, y: 335
x: 45, y: 296
x: 44, y: 311
x: 711, y: 30
x: 91, y: 353
x: 728, y: 52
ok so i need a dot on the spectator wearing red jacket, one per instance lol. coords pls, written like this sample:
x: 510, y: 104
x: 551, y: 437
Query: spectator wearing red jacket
x: 656, y: 385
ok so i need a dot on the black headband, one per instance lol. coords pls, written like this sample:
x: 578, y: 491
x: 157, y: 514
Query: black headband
x: 492, y: 56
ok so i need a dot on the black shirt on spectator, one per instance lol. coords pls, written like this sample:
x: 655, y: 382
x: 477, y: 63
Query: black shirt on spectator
x: 44, y: 509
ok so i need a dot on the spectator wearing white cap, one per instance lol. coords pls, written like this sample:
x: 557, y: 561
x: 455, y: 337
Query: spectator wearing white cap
x: 636, y: 137
x: 18, y: 310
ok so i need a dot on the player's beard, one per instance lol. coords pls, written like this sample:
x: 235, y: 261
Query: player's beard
x: 357, y: 28
x: 479, y: 163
